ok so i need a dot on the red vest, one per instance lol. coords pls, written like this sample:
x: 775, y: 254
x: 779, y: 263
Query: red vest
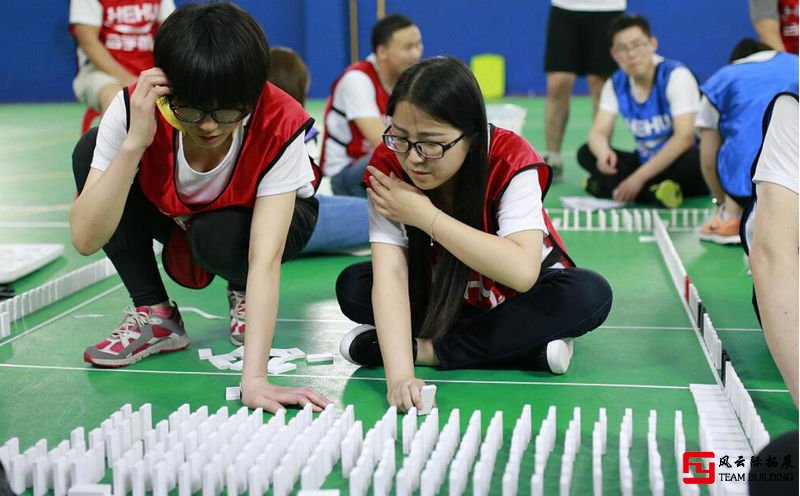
x: 275, y: 122
x: 128, y: 31
x: 357, y: 147
x: 509, y: 155
x: 787, y: 10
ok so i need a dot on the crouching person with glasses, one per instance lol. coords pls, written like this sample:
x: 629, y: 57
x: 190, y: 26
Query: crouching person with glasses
x: 207, y: 157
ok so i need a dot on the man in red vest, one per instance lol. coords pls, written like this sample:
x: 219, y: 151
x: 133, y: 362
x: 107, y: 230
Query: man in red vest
x: 115, y: 43
x: 356, y: 109
x: 776, y: 22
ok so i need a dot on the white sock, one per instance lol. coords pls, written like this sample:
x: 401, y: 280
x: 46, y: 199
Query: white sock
x: 554, y: 157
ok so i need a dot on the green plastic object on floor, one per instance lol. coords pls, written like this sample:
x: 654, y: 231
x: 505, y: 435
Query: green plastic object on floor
x: 490, y: 71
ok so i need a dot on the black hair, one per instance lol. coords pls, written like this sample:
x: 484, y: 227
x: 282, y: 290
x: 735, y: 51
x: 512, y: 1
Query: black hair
x: 746, y: 47
x: 625, y: 21
x: 384, y: 29
x: 215, y: 55
x: 445, y: 89
x: 289, y: 73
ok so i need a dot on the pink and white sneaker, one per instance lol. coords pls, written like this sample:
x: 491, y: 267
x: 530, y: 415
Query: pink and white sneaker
x: 143, y: 332
x: 236, y: 302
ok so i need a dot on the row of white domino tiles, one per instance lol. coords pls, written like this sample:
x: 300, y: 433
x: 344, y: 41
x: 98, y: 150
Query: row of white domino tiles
x: 628, y: 220
x: 51, y: 292
x: 725, y: 417
x: 744, y: 410
x: 215, y: 452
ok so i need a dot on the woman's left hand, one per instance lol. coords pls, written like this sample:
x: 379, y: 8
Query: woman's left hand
x: 398, y: 200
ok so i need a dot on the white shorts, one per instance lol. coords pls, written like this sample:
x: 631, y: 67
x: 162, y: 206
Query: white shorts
x: 88, y: 83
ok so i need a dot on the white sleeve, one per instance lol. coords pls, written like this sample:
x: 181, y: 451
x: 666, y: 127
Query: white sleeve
x: 608, y: 98
x: 165, y: 9
x: 383, y: 230
x: 111, y: 134
x: 682, y: 92
x: 355, y: 96
x: 88, y: 12
x: 521, y: 205
x: 707, y: 115
x: 291, y: 172
x: 778, y: 162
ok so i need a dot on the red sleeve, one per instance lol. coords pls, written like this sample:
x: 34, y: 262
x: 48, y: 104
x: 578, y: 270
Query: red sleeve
x: 385, y: 161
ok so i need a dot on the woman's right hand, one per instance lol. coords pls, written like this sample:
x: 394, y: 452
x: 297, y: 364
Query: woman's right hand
x: 607, y: 163
x: 152, y: 85
x: 405, y: 393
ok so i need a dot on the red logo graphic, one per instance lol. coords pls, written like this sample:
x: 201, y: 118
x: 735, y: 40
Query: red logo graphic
x: 705, y: 475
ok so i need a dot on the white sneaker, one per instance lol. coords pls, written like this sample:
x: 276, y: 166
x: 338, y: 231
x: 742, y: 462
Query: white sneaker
x: 559, y: 354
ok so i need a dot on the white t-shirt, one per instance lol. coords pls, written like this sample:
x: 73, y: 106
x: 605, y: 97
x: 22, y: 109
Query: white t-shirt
x: 292, y: 171
x: 683, y: 93
x: 590, y: 5
x: 708, y: 115
x: 520, y: 210
x: 779, y: 162
x: 90, y: 12
x: 355, y: 96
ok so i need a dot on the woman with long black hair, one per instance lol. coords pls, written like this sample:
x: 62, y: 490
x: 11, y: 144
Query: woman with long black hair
x: 467, y: 271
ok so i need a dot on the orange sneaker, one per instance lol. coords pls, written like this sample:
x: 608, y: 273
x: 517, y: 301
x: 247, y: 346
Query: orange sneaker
x: 723, y: 232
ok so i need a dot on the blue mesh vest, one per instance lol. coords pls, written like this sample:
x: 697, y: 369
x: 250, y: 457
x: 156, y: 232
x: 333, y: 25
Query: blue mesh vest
x: 741, y: 93
x: 649, y: 121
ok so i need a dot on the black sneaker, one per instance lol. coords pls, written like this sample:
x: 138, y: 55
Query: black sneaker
x: 360, y: 347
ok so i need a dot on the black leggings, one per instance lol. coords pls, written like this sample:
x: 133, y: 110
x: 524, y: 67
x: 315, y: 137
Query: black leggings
x: 219, y: 240
x: 685, y: 170
x: 564, y: 303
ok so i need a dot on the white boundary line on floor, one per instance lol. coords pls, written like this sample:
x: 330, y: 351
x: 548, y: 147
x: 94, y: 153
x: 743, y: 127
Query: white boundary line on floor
x: 62, y: 314
x: 34, y: 224
x: 378, y: 379
x: 58, y: 207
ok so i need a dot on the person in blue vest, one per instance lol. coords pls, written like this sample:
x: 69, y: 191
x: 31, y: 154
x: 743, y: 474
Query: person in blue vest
x: 467, y: 270
x: 729, y: 120
x: 658, y: 98
x: 206, y: 156
x: 356, y: 108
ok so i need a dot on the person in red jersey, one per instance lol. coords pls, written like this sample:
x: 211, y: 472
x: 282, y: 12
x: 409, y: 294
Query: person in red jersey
x: 207, y: 157
x: 467, y: 270
x: 354, y: 114
x: 776, y: 22
x: 115, y: 43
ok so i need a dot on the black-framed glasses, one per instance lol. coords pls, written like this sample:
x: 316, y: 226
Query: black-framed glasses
x: 427, y: 149
x: 220, y: 115
x: 631, y: 47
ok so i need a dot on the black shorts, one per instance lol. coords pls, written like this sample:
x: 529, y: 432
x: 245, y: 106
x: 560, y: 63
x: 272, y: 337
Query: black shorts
x: 577, y: 42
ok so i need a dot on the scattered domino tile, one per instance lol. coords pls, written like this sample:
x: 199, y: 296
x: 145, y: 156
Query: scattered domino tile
x: 233, y: 393
x: 279, y: 366
x: 204, y: 353
x: 238, y: 352
x: 319, y: 358
x: 90, y: 490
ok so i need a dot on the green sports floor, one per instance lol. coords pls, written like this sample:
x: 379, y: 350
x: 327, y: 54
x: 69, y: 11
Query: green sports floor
x: 644, y: 357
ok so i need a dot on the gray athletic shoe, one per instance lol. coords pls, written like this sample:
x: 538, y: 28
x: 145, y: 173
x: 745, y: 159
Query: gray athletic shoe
x: 142, y: 333
x: 236, y: 302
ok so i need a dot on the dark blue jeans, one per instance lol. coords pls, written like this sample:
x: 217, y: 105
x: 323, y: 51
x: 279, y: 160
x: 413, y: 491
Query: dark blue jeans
x: 348, y: 181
